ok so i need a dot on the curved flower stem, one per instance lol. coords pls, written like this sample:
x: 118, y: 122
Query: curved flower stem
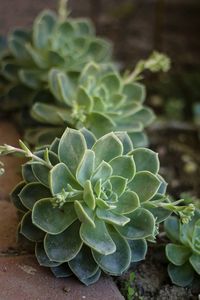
x: 62, y: 10
x: 24, y: 151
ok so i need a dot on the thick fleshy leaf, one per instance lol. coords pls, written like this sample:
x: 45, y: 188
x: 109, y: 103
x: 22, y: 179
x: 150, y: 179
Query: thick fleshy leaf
x: 84, y: 213
x: 15, y: 197
x: 103, y: 172
x: 92, y: 279
x: 61, y: 86
x: 32, y: 192
x: 159, y: 213
x: 181, y: 275
x: 118, y: 184
x: 127, y: 203
x: 126, y: 141
x: 27, y: 173
x: 47, y: 114
x: 31, y: 78
x: 163, y: 187
x: 123, y: 166
x: 83, y: 100
x: 88, y: 195
x: 42, y: 258
x: 61, y: 271
x: 195, y: 262
x: 111, y: 82
x: 177, y: 254
x: 60, y: 177
x: 172, y: 228
x: 89, y: 137
x: 145, y: 160
x: 54, y: 146
x: 35, y: 55
x: 94, y: 119
x: 71, y: 149
x: 42, y: 28
x: 18, y: 49
x: 97, y: 238
x: 29, y: 230
x: 145, y: 116
x: 41, y: 172
x: 110, y: 217
x: 196, y: 237
x: 145, y: 185
x: 83, y: 265
x: 84, y: 26
x: 86, y: 167
x: 117, y: 262
x: 139, y: 139
x: 107, y: 148
x: 64, y: 246
x: 138, y: 249
x: 141, y: 225
x: 134, y: 92
x: 51, y: 219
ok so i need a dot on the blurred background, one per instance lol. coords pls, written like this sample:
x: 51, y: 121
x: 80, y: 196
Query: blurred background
x: 137, y: 27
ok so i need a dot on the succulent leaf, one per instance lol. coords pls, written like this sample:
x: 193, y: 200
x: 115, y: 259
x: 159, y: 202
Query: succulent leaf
x: 184, y: 256
x: 64, y: 246
x: 53, y: 220
x: 181, y: 275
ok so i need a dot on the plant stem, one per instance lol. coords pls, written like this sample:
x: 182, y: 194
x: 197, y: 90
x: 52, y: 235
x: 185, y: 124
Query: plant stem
x: 27, y: 153
x: 62, y: 10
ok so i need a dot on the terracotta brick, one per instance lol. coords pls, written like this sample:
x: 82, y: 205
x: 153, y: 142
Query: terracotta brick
x: 9, y: 135
x: 22, y: 279
x: 8, y: 221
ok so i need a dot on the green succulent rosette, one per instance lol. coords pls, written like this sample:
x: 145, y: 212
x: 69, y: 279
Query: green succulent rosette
x: 90, y: 205
x: 52, y: 42
x: 184, y: 250
x: 102, y: 101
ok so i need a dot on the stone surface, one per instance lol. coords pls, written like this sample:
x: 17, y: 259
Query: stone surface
x: 9, y: 135
x: 8, y: 226
x: 22, y: 279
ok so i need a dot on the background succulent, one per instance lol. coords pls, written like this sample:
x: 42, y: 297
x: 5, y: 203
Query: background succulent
x: 184, y: 250
x: 102, y: 101
x: 54, y: 41
x: 90, y: 205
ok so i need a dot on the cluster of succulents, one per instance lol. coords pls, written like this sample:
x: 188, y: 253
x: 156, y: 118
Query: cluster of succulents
x: 67, y: 44
x: 91, y: 196
x: 102, y: 101
x: 90, y: 205
x: 184, y: 250
x: 64, y: 75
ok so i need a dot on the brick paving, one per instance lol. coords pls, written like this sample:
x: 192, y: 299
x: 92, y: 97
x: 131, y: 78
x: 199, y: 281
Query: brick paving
x: 21, y: 277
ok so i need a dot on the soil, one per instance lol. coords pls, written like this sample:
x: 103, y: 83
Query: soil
x: 178, y: 145
x: 152, y: 282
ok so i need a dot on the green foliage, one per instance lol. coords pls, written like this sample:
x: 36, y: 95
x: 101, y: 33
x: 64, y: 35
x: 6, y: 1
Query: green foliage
x: 51, y: 43
x: 128, y: 288
x: 184, y: 250
x: 102, y: 101
x: 89, y: 204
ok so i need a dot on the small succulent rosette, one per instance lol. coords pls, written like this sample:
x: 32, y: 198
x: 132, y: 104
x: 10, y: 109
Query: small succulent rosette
x: 101, y: 96
x: 52, y: 42
x: 184, y: 250
x: 90, y: 205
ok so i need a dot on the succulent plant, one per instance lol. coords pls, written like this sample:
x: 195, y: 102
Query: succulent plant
x: 54, y: 41
x: 184, y: 250
x: 102, y: 101
x: 90, y: 205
